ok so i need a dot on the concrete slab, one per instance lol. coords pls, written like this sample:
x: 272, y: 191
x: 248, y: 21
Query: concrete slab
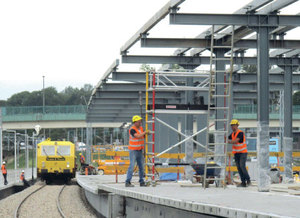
x: 229, y: 202
x: 13, y: 177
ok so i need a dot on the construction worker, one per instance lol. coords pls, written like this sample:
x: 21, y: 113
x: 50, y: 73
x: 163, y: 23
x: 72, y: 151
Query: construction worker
x: 239, y: 149
x: 136, y: 145
x: 4, y: 172
x: 22, y: 178
x: 83, y: 165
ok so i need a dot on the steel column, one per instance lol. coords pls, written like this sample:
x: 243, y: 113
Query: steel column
x: 288, y: 124
x: 263, y: 108
x: 89, y: 132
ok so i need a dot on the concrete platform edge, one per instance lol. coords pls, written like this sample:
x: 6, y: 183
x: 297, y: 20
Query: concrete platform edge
x: 197, y: 207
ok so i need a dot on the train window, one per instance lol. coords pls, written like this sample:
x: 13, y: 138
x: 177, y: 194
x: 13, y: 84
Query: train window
x: 48, y: 150
x: 63, y: 150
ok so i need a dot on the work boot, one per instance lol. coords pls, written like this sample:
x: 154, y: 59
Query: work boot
x: 143, y: 184
x: 249, y: 183
x: 241, y: 185
x: 128, y: 184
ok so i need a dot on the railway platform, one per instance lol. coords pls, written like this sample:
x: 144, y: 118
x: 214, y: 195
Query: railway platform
x: 170, y: 198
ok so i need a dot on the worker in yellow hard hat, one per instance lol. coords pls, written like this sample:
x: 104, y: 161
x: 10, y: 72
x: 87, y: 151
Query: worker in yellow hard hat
x: 82, y: 161
x: 239, y: 149
x: 136, y: 146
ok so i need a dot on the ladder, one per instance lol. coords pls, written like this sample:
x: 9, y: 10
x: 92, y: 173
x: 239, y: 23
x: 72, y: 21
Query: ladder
x: 150, y: 144
x: 221, y: 131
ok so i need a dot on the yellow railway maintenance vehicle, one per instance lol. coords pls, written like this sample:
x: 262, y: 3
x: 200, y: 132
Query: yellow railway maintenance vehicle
x: 56, y: 160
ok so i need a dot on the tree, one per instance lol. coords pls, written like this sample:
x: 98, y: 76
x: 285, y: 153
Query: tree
x: 69, y: 96
x: 249, y: 68
x: 18, y: 99
x: 296, y: 98
x: 146, y: 67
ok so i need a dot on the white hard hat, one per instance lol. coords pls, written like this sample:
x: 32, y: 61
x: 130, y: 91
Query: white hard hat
x: 23, y: 171
x: 3, y: 162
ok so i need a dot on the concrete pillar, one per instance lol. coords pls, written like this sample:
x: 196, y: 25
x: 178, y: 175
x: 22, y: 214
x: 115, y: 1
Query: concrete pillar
x: 263, y: 108
x: 288, y: 124
x: 189, y: 146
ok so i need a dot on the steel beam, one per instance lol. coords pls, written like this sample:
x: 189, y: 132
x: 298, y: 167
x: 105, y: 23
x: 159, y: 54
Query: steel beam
x: 133, y: 101
x: 240, y: 32
x: 164, y: 11
x: 129, y: 76
x: 134, y: 95
x: 237, y: 77
x: 198, y: 60
x: 249, y: 7
x: 130, y: 87
x: 205, y: 43
x: 242, y: 78
x: 251, y: 20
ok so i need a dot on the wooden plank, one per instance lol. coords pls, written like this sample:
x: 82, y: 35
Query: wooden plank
x: 191, y: 185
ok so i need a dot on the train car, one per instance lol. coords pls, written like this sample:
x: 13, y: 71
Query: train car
x: 56, y: 160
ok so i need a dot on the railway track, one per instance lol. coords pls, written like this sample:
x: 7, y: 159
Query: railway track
x: 40, y: 189
x: 58, y: 203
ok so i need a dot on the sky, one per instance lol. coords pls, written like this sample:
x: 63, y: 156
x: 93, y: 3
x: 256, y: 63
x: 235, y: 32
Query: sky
x: 73, y: 42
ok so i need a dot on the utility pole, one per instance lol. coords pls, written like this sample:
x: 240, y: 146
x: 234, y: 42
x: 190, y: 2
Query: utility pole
x: 43, y: 94
x: 44, y: 104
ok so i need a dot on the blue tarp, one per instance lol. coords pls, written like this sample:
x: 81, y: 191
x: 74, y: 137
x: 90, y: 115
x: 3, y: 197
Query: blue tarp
x: 169, y: 176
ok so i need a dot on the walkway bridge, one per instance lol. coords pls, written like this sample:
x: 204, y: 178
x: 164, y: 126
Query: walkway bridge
x: 69, y: 116
x: 74, y: 116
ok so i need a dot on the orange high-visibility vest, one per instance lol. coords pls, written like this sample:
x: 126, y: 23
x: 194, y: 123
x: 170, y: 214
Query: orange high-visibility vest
x: 239, y: 147
x: 3, y: 168
x: 22, y: 176
x: 136, y: 143
x: 82, y: 159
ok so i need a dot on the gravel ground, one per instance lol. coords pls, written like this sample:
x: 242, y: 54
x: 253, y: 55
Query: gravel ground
x: 9, y: 204
x: 42, y: 203
x: 72, y: 203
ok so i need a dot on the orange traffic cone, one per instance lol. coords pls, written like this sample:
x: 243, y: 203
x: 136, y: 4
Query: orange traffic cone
x: 86, y: 171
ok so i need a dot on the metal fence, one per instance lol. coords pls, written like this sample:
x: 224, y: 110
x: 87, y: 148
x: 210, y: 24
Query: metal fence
x: 250, y: 111
x: 49, y: 113
x: 78, y: 112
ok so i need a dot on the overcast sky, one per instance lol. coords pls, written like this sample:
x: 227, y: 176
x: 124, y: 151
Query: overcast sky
x: 73, y: 42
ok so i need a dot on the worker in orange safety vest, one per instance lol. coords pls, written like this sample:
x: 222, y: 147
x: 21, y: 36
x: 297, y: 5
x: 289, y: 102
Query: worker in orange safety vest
x: 22, y: 178
x: 136, y: 146
x: 239, y: 149
x: 4, y: 172
x: 82, y: 161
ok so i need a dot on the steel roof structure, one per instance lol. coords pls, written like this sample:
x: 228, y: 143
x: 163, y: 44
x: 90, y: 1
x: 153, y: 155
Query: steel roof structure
x: 119, y: 95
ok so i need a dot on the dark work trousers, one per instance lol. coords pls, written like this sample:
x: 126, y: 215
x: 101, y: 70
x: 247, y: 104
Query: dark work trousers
x: 25, y: 183
x: 5, y: 180
x: 240, y: 161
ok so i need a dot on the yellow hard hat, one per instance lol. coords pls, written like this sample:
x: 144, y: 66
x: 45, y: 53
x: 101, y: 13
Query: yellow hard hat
x: 234, y: 122
x: 136, y: 118
x: 80, y: 154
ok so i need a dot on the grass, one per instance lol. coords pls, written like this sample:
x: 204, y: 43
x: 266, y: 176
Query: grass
x: 11, y: 161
